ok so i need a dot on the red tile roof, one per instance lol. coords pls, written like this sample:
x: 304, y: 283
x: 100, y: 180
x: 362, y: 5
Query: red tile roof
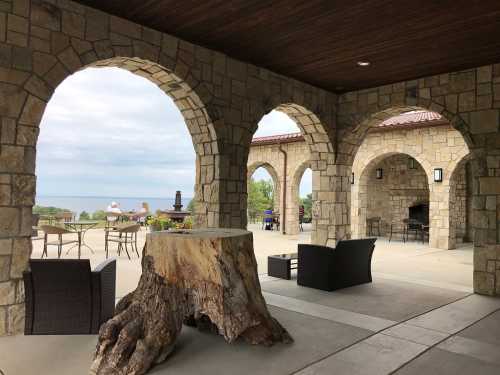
x: 416, y: 118
x: 280, y: 138
x: 413, y: 119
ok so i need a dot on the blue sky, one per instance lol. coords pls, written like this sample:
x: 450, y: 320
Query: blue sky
x: 108, y: 132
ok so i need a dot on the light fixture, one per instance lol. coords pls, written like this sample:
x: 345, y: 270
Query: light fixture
x: 411, y: 163
x: 352, y: 178
x: 363, y: 63
x: 379, y: 173
x: 438, y: 174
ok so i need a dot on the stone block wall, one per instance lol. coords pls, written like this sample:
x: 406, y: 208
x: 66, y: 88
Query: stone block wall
x: 221, y: 99
x: 298, y: 160
x: 470, y: 101
x: 399, y: 188
x: 432, y: 147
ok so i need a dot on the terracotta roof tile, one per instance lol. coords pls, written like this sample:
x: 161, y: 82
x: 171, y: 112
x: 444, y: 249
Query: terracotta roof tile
x: 408, y: 119
x: 280, y: 138
x: 412, y: 117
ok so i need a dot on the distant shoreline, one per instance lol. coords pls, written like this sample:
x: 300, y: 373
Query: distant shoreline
x: 105, y: 197
x: 91, y: 204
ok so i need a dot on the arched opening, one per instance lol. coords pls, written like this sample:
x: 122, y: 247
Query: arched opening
x: 301, y: 201
x: 310, y: 145
x: 461, y: 205
x: 392, y: 188
x: 305, y: 201
x: 263, y: 193
x: 413, y: 166
x: 106, y: 136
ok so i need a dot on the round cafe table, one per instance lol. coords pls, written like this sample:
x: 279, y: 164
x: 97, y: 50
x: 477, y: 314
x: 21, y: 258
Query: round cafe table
x: 81, y: 226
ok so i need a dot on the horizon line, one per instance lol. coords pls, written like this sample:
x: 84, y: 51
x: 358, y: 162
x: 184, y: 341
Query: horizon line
x: 101, y: 196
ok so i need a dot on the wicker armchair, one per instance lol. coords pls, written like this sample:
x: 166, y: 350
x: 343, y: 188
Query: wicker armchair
x: 327, y: 268
x: 64, y: 297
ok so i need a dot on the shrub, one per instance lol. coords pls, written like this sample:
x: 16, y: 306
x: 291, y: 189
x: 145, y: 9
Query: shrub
x: 99, y: 215
x: 159, y: 223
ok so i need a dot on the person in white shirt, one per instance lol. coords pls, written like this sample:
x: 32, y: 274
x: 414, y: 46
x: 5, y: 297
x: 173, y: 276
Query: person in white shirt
x: 142, y: 213
x: 113, y: 208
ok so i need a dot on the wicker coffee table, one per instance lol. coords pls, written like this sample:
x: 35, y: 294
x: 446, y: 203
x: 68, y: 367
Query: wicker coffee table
x: 281, y: 265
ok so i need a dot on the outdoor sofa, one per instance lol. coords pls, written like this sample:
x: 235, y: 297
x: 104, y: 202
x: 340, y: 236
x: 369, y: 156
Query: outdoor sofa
x: 65, y: 297
x: 327, y: 268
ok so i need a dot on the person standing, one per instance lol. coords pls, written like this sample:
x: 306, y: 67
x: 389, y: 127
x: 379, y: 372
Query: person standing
x: 301, y: 217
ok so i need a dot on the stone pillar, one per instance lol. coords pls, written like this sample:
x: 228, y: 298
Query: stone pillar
x: 331, y: 197
x: 17, y: 192
x: 359, y: 208
x: 486, y: 220
x: 292, y: 205
x: 439, y: 214
x: 20, y: 113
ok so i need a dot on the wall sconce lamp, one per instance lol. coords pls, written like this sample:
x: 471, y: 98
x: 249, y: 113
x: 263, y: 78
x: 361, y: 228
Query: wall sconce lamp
x: 379, y: 173
x: 411, y: 163
x: 352, y: 178
x: 438, y: 174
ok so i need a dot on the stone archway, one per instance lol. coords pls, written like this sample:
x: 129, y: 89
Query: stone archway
x: 322, y: 162
x: 294, y: 198
x: 460, y: 202
x: 370, y: 198
x: 438, y: 146
x: 26, y: 105
x: 187, y: 100
x: 277, y: 181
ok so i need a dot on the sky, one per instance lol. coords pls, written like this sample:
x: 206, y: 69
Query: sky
x: 274, y: 123
x: 108, y: 132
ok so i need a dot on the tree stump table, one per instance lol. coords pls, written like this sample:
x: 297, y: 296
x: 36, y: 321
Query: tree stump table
x: 205, y: 278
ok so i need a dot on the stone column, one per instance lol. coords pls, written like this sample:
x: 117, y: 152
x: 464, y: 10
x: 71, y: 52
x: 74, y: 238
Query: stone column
x: 17, y: 192
x: 439, y: 214
x: 486, y: 220
x: 331, y: 197
x: 292, y: 205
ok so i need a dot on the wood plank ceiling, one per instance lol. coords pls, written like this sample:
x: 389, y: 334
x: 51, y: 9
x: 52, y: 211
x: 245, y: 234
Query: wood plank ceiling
x: 321, y: 41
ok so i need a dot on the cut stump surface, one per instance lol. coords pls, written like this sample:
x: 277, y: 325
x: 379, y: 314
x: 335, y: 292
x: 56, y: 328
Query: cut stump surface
x: 205, y: 278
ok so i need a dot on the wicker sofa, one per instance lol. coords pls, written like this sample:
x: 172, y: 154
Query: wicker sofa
x: 65, y: 297
x: 327, y: 268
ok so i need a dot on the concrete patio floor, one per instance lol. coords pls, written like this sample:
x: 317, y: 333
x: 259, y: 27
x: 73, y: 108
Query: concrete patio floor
x: 418, y: 316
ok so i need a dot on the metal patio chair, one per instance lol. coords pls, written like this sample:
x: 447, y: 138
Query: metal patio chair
x: 60, y: 242
x: 123, y: 236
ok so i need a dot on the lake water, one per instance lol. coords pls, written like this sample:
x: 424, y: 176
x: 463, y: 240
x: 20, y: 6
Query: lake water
x: 92, y: 204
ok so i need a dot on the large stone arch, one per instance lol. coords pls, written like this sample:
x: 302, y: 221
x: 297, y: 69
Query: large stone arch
x: 362, y: 168
x: 276, y: 177
x: 352, y: 136
x: 41, y: 85
x: 433, y: 147
x: 317, y: 130
x: 23, y: 105
x: 294, y: 197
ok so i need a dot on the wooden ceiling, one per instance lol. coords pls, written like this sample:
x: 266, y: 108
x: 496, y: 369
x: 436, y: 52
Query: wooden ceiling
x: 320, y: 41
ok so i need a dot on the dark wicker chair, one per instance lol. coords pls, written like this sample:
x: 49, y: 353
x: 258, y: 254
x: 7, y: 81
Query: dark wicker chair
x: 327, y: 268
x: 64, y: 297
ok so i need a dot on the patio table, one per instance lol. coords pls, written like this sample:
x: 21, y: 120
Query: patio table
x: 280, y: 265
x: 81, y: 226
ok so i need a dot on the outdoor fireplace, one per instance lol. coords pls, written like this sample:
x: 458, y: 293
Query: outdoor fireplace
x: 420, y: 212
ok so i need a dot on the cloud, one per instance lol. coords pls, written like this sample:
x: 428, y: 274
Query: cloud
x: 274, y: 123
x: 109, y: 132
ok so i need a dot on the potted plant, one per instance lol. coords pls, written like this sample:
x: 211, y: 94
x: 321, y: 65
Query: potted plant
x: 158, y: 223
